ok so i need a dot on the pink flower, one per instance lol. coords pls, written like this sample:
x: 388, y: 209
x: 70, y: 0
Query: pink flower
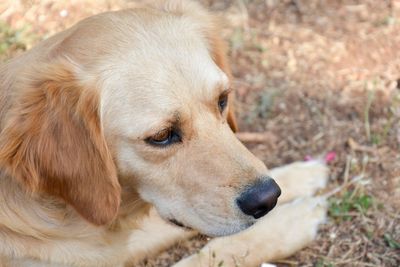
x: 331, y: 156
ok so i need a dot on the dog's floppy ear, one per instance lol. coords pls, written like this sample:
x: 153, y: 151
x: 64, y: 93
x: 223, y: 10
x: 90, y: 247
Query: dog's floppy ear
x: 218, y: 53
x: 232, y: 117
x: 53, y: 143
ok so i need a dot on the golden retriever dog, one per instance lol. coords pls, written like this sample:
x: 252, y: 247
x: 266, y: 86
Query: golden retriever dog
x: 130, y: 110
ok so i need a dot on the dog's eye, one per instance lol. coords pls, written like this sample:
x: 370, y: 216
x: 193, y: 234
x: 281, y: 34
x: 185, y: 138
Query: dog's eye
x: 164, y: 137
x: 222, y: 102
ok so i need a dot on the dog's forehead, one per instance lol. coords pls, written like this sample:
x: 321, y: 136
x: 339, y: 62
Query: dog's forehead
x: 172, y: 61
x: 162, y: 74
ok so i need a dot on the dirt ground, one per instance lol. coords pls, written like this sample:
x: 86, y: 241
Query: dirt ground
x: 311, y: 77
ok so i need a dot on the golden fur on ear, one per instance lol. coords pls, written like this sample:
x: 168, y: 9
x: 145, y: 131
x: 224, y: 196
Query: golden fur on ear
x: 53, y: 143
x: 232, y: 117
x: 218, y: 52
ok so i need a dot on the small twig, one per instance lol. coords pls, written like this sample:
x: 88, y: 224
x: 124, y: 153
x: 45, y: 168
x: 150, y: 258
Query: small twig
x: 365, y: 161
x: 366, y: 114
x: 249, y: 137
x: 290, y: 262
x: 341, y: 187
x: 356, y: 147
x: 347, y: 170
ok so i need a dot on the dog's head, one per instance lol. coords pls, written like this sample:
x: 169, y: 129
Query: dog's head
x: 140, y: 98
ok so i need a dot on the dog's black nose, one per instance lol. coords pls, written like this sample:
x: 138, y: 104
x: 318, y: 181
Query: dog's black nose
x: 260, y: 198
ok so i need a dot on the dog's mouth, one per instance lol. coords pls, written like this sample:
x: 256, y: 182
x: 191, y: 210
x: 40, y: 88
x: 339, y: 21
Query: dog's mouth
x: 179, y: 224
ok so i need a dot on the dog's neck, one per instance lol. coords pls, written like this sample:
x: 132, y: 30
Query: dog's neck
x: 131, y: 209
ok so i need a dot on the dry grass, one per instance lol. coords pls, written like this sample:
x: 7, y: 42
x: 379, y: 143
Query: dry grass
x: 312, y: 76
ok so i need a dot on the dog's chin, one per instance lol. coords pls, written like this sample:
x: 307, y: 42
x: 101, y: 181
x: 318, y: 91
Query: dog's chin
x: 213, y: 227
x: 214, y: 231
x: 225, y: 231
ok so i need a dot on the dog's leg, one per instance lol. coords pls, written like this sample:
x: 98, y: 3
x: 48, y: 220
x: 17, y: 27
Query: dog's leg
x: 279, y: 234
x: 300, y: 179
x: 153, y: 236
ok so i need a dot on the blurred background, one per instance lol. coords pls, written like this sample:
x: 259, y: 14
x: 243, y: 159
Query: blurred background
x: 312, y: 77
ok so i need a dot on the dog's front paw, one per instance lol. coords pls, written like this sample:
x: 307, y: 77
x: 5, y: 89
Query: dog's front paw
x: 282, y: 232
x: 296, y: 223
x: 300, y: 179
